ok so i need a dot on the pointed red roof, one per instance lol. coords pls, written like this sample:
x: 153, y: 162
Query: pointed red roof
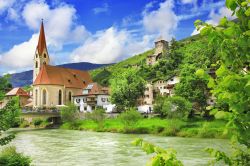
x: 42, y: 40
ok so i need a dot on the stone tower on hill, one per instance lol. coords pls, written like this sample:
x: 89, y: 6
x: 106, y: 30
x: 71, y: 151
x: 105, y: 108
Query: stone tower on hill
x: 161, y: 48
x: 41, y: 55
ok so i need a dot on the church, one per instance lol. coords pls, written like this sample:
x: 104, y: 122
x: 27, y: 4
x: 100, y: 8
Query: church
x: 54, y: 86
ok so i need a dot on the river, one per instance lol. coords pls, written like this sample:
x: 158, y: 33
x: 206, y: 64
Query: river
x: 56, y: 147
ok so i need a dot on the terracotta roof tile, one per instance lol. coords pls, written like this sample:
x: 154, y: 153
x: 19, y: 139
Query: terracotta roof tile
x: 70, y: 78
x: 17, y: 92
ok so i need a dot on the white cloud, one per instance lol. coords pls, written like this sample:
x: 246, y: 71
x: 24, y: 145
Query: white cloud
x: 5, y: 4
x: 110, y: 46
x: 162, y: 21
x: 20, y: 55
x: 12, y: 14
x: 60, y: 29
x: 214, y: 17
x: 188, y: 1
x: 59, y: 23
x: 103, y: 9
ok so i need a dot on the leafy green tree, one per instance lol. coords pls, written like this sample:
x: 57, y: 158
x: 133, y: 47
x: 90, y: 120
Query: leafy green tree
x: 173, y: 107
x: 163, y: 157
x: 7, y: 118
x: 69, y: 113
x: 192, y: 87
x: 126, y: 88
x: 4, y: 85
x: 230, y: 39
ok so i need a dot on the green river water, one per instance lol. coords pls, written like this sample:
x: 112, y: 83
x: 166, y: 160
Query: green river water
x: 56, y: 147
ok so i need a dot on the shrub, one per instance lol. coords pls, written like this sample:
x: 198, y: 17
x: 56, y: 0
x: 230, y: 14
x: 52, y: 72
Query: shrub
x: 37, y: 122
x: 98, y: 116
x: 69, y: 113
x: 130, y: 117
x: 10, y: 157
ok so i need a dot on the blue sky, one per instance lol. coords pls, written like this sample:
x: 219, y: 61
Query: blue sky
x: 97, y: 31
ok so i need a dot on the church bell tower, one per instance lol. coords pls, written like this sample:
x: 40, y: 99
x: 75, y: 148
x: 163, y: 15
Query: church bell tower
x: 41, y: 55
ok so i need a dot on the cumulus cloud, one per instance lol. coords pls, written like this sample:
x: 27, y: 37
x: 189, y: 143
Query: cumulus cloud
x: 20, y: 55
x: 59, y: 23
x: 188, y: 1
x: 214, y: 17
x: 110, y: 46
x: 60, y: 29
x: 162, y: 21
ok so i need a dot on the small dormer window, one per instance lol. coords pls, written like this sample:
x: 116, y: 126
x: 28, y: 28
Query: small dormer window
x: 36, y: 64
x: 83, y: 82
x: 69, y: 80
x: 44, y: 55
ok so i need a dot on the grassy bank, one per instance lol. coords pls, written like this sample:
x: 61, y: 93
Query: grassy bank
x: 164, y: 127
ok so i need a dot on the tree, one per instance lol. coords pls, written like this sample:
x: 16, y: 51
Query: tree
x: 69, y: 113
x: 230, y: 40
x: 126, y: 88
x: 4, y: 85
x: 173, y: 107
x: 7, y: 118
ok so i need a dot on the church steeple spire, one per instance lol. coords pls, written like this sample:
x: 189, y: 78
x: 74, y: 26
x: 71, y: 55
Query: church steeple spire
x: 42, y: 40
x: 41, y: 56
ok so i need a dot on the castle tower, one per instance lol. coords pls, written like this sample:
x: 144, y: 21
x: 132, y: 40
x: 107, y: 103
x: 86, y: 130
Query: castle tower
x: 160, y: 46
x: 41, y: 55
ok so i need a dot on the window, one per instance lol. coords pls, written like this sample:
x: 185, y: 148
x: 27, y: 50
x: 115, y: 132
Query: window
x: 70, y: 96
x: 44, y: 55
x: 36, y: 55
x: 85, y: 108
x: 172, y: 79
x: 103, y: 99
x: 93, y: 107
x: 36, y: 93
x: 44, y: 63
x: 78, y: 100
x: 36, y: 64
x: 60, y: 97
x: 44, y: 97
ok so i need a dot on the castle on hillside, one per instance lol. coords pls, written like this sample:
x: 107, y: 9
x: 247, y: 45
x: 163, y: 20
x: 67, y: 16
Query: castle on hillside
x: 161, y: 49
x: 54, y: 86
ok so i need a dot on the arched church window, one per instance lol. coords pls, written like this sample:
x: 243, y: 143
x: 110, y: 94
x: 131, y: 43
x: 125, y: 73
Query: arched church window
x: 70, y: 96
x: 44, y: 55
x: 36, y: 55
x: 60, y: 97
x: 36, y: 64
x: 36, y: 94
x: 44, y: 97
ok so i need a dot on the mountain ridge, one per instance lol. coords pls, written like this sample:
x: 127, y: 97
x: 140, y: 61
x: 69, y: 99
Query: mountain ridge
x: 25, y: 78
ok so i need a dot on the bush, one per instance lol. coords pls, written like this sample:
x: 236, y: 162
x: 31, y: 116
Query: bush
x: 130, y: 117
x: 69, y: 113
x: 173, y: 107
x: 98, y: 116
x: 10, y: 157
x: 37, y: 122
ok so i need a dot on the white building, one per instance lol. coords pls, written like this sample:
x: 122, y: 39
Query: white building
x: 93, y: 96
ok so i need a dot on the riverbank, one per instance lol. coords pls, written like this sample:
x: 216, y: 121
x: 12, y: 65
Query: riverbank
x: 156, y: 126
